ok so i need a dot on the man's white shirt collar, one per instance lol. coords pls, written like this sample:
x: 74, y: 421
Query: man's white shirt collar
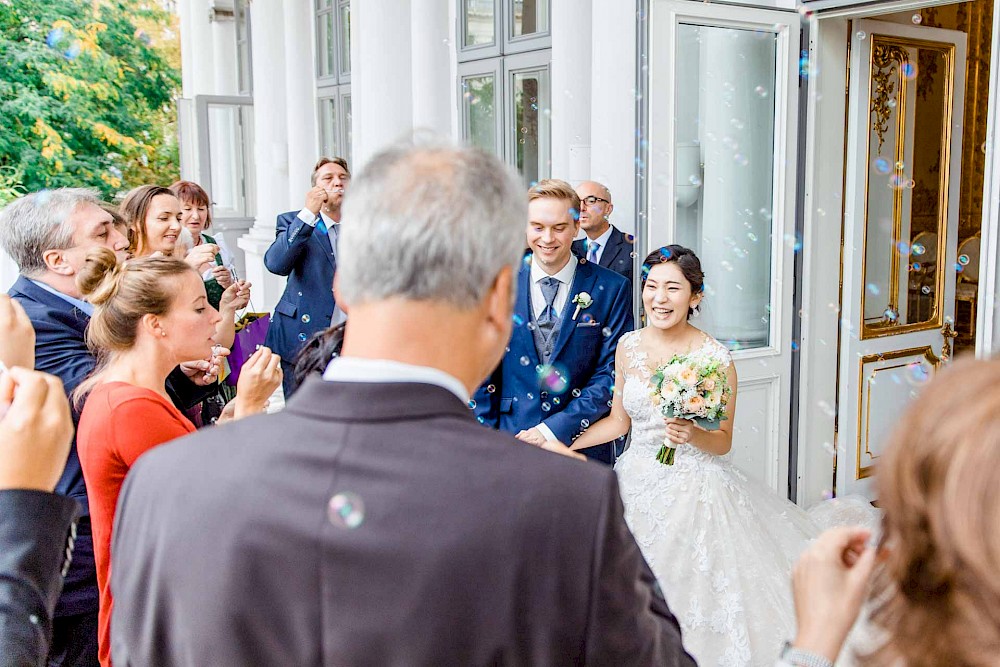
x: 564, y: 275
x: 356, y: 369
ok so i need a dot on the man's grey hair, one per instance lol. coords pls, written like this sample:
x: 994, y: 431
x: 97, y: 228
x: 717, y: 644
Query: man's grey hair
x: 38, y: 222
x: 434, y: 223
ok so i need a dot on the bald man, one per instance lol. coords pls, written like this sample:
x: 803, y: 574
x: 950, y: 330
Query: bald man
x: 604, y: 244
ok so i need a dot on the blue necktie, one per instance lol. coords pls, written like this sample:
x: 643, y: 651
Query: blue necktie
x: 550, y: 286
x: 320, y: 225
x: 592, y: 251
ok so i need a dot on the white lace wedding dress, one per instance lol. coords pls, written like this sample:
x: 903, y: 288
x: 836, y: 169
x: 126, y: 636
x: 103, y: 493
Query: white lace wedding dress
x: 721, y: 544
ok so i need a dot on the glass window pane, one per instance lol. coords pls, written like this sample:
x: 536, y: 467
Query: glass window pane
x: 531, y: 126
x: 724, y: 173
x: 328, y: 125
x: 329, y: 45
x: 225, y: 156
x: 345, y: 38
x: 530, y: 16
x: 479, y: 22
x: 907, y: 205
x: 346, y: 151
x: 323, y: 4
x: 478, y: 100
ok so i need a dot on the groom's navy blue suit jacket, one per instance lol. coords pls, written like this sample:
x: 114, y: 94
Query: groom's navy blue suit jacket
x: 584, y: 353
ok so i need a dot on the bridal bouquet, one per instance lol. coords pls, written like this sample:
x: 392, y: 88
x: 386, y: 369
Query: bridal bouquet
x: 691, y: 386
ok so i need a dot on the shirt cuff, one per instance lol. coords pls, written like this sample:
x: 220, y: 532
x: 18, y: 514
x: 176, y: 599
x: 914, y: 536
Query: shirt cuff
x: 546, y: 432
x: 307, y: 216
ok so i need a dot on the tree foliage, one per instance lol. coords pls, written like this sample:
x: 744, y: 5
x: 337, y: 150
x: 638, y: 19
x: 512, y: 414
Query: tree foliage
x: 87, y: 92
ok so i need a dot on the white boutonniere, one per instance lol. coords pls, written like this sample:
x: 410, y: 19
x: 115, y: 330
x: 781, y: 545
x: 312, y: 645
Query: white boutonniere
x: 582, y: 302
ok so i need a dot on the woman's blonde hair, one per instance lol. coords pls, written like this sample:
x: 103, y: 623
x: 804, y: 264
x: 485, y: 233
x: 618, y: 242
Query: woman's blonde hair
x: 134, y: 209
x: 122, y: 294
x: 938, y: 591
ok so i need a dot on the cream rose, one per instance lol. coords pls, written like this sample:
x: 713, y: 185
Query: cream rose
x: 694, y: 405
x: 688, y: 376
x: 708, y: 384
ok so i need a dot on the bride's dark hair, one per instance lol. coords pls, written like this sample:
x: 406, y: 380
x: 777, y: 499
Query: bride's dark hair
x: 686, y: 261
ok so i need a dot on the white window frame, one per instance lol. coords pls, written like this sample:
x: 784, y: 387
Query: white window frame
x: 244, y: 61
x: 335, y: 85
x: 532, y: 61
x: 470, y: 70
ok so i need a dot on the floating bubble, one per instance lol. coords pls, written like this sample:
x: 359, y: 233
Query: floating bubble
x: 829, y: 448
x: 54, y: 37
x: 959, y: 268
x: 925, y: 289
x: 532, y: 326
x: 873, y: 289
x: 481, y: 419
x: 346, y: 510
x: 694, y: 180
x: 918, y: 249
x: 726, y: 265
x: 472, y: 404
x: 752, y: 236
x: 491, y: 389
x: 302, y: 337
x: 555, y: 401
x: 915, y: 266
x: 909, y: 70
x: 553, y: 379
x: 306, y: 319
x: 903, y: 247
x: 861, y: 34
x: 606, y: 332
x: 963, y: 260
x: 916, y: 19
x: 826, y: 408
x: 917, y: 373
x: 882, y: 166
x: 530, y: 396
x: 546, y: 407
x: 585, y: 423
x: 518, y: 320
x: 761, y: 91
x: 525, y: 361
x: 890, y: 314
x: 575, y: 393
x: 892, y: 102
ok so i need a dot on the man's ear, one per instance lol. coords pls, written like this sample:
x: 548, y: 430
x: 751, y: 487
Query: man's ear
x: 500, y: 299
x: 55, y: 261
x: 611, y: 209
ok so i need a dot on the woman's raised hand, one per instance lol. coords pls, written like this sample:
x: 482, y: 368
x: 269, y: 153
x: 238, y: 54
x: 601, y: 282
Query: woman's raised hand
x: 259, y: 378
x: 17, y: 336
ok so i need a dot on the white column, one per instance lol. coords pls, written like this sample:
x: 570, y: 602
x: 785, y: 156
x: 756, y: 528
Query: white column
x: 572, y: 84
x: 202, y: 62
x: 223, y: 29
x: 270, y: 145
x: 380, y: 76
x: 300, y: 91
x: 187, y: 46
x: 612, y: 120
x: 430, y: 66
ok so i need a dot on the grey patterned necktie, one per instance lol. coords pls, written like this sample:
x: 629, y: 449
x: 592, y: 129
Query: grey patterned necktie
x: 592, y: 251
x: 550, y: 287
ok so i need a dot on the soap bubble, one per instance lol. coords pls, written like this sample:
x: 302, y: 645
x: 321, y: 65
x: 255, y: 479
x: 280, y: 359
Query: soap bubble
x: 346, y: 510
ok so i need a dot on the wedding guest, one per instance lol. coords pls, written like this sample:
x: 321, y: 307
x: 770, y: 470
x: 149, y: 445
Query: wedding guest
x: 305, y: 250
x: 196, y: 217
x: 604, y: 244
x: 935, y: 599
x: 375, y: 499
x: 48, y: 234
x: 36, y: 525
x: 558, y: 373
x: 153, y: 217
x: 150, y: 314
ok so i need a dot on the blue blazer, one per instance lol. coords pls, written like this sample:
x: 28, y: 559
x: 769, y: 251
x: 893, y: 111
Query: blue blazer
x: 584, y: 352
x: 617, y: 254
x: 306, y: 255
x: 61, y: 350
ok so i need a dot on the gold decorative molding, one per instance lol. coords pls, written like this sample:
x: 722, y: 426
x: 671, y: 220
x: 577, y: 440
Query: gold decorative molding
x: 883, y: 56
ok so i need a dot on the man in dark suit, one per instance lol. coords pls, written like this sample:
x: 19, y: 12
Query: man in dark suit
x: 557, y: 375
x: 305, y: 250
x: 373, y: 521
x: 48, y: 234
x: 37, y: 527
x: 604, y: 244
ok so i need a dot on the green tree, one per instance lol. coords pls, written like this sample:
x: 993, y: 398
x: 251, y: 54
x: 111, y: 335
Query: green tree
x: 87, y: 91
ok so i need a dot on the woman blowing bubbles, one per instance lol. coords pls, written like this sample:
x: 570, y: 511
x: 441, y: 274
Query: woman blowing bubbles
x: 150, y: 315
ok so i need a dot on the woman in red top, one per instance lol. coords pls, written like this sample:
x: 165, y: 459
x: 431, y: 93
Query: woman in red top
x: 150, y: 315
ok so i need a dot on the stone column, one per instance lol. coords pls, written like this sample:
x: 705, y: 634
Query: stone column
x: 381, y: 86
x: 430, y: 66
x: 270, y: 148
x: 199, y: 60
x: 300, y: 91
x: 571, y: 89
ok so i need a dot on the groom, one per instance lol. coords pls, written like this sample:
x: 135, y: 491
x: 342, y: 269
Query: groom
x: 557, y: 375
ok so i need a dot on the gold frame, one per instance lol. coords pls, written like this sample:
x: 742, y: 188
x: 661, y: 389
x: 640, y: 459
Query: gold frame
x: 890, y: 328
x: 864, y: 407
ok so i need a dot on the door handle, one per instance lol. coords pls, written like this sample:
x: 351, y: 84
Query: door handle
x: 947, y: 333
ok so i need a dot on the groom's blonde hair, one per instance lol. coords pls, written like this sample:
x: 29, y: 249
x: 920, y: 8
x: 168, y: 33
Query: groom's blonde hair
x: 555, y: 188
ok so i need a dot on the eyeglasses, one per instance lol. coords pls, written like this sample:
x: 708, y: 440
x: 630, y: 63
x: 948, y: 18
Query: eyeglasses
x: 591, y: 200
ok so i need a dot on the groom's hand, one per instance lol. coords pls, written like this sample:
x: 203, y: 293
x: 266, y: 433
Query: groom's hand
x: 532, y: 436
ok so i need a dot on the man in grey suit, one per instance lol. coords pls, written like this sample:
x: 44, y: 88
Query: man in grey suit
x: 373, y: 521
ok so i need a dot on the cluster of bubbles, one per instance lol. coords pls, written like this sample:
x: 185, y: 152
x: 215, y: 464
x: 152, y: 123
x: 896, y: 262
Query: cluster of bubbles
x: 552, y: 378
x: 55, y: 39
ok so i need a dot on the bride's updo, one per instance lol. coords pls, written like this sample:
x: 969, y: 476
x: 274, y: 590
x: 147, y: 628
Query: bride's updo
x: 686, y: 261
x: 122, y: 294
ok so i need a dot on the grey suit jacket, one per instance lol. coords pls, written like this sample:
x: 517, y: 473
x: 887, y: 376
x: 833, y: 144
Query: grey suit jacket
x: 445, y: 544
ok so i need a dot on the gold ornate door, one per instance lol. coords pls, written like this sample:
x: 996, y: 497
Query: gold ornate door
x: 903, y: 167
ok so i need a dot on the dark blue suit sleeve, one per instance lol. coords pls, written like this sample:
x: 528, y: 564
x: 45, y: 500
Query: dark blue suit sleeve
x: 34, y: 540
x: 595, y: 396
x: 290, y: 239
x: 487, y: 407
x: 60, y: 353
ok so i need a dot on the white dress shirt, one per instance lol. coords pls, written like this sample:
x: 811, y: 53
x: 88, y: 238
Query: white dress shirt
x: 306, y: 216
x: 602, y: 240
x: 357, y: 369
x: 565, y: 278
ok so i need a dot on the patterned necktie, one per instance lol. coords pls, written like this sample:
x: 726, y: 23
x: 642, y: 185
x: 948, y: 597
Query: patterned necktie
x: 550, y: 286
x: 592, y: 251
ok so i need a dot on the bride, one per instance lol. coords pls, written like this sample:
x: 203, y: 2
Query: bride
x: 721, y: 545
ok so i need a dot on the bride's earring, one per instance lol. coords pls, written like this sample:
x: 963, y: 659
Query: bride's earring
x: 697, y: 312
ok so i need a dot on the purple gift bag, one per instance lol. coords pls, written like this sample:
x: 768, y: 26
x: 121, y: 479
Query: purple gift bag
x: 251, y: 331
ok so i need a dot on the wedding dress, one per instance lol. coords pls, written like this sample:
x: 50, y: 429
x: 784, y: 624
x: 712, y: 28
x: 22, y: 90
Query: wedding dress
x: 721, y: 545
